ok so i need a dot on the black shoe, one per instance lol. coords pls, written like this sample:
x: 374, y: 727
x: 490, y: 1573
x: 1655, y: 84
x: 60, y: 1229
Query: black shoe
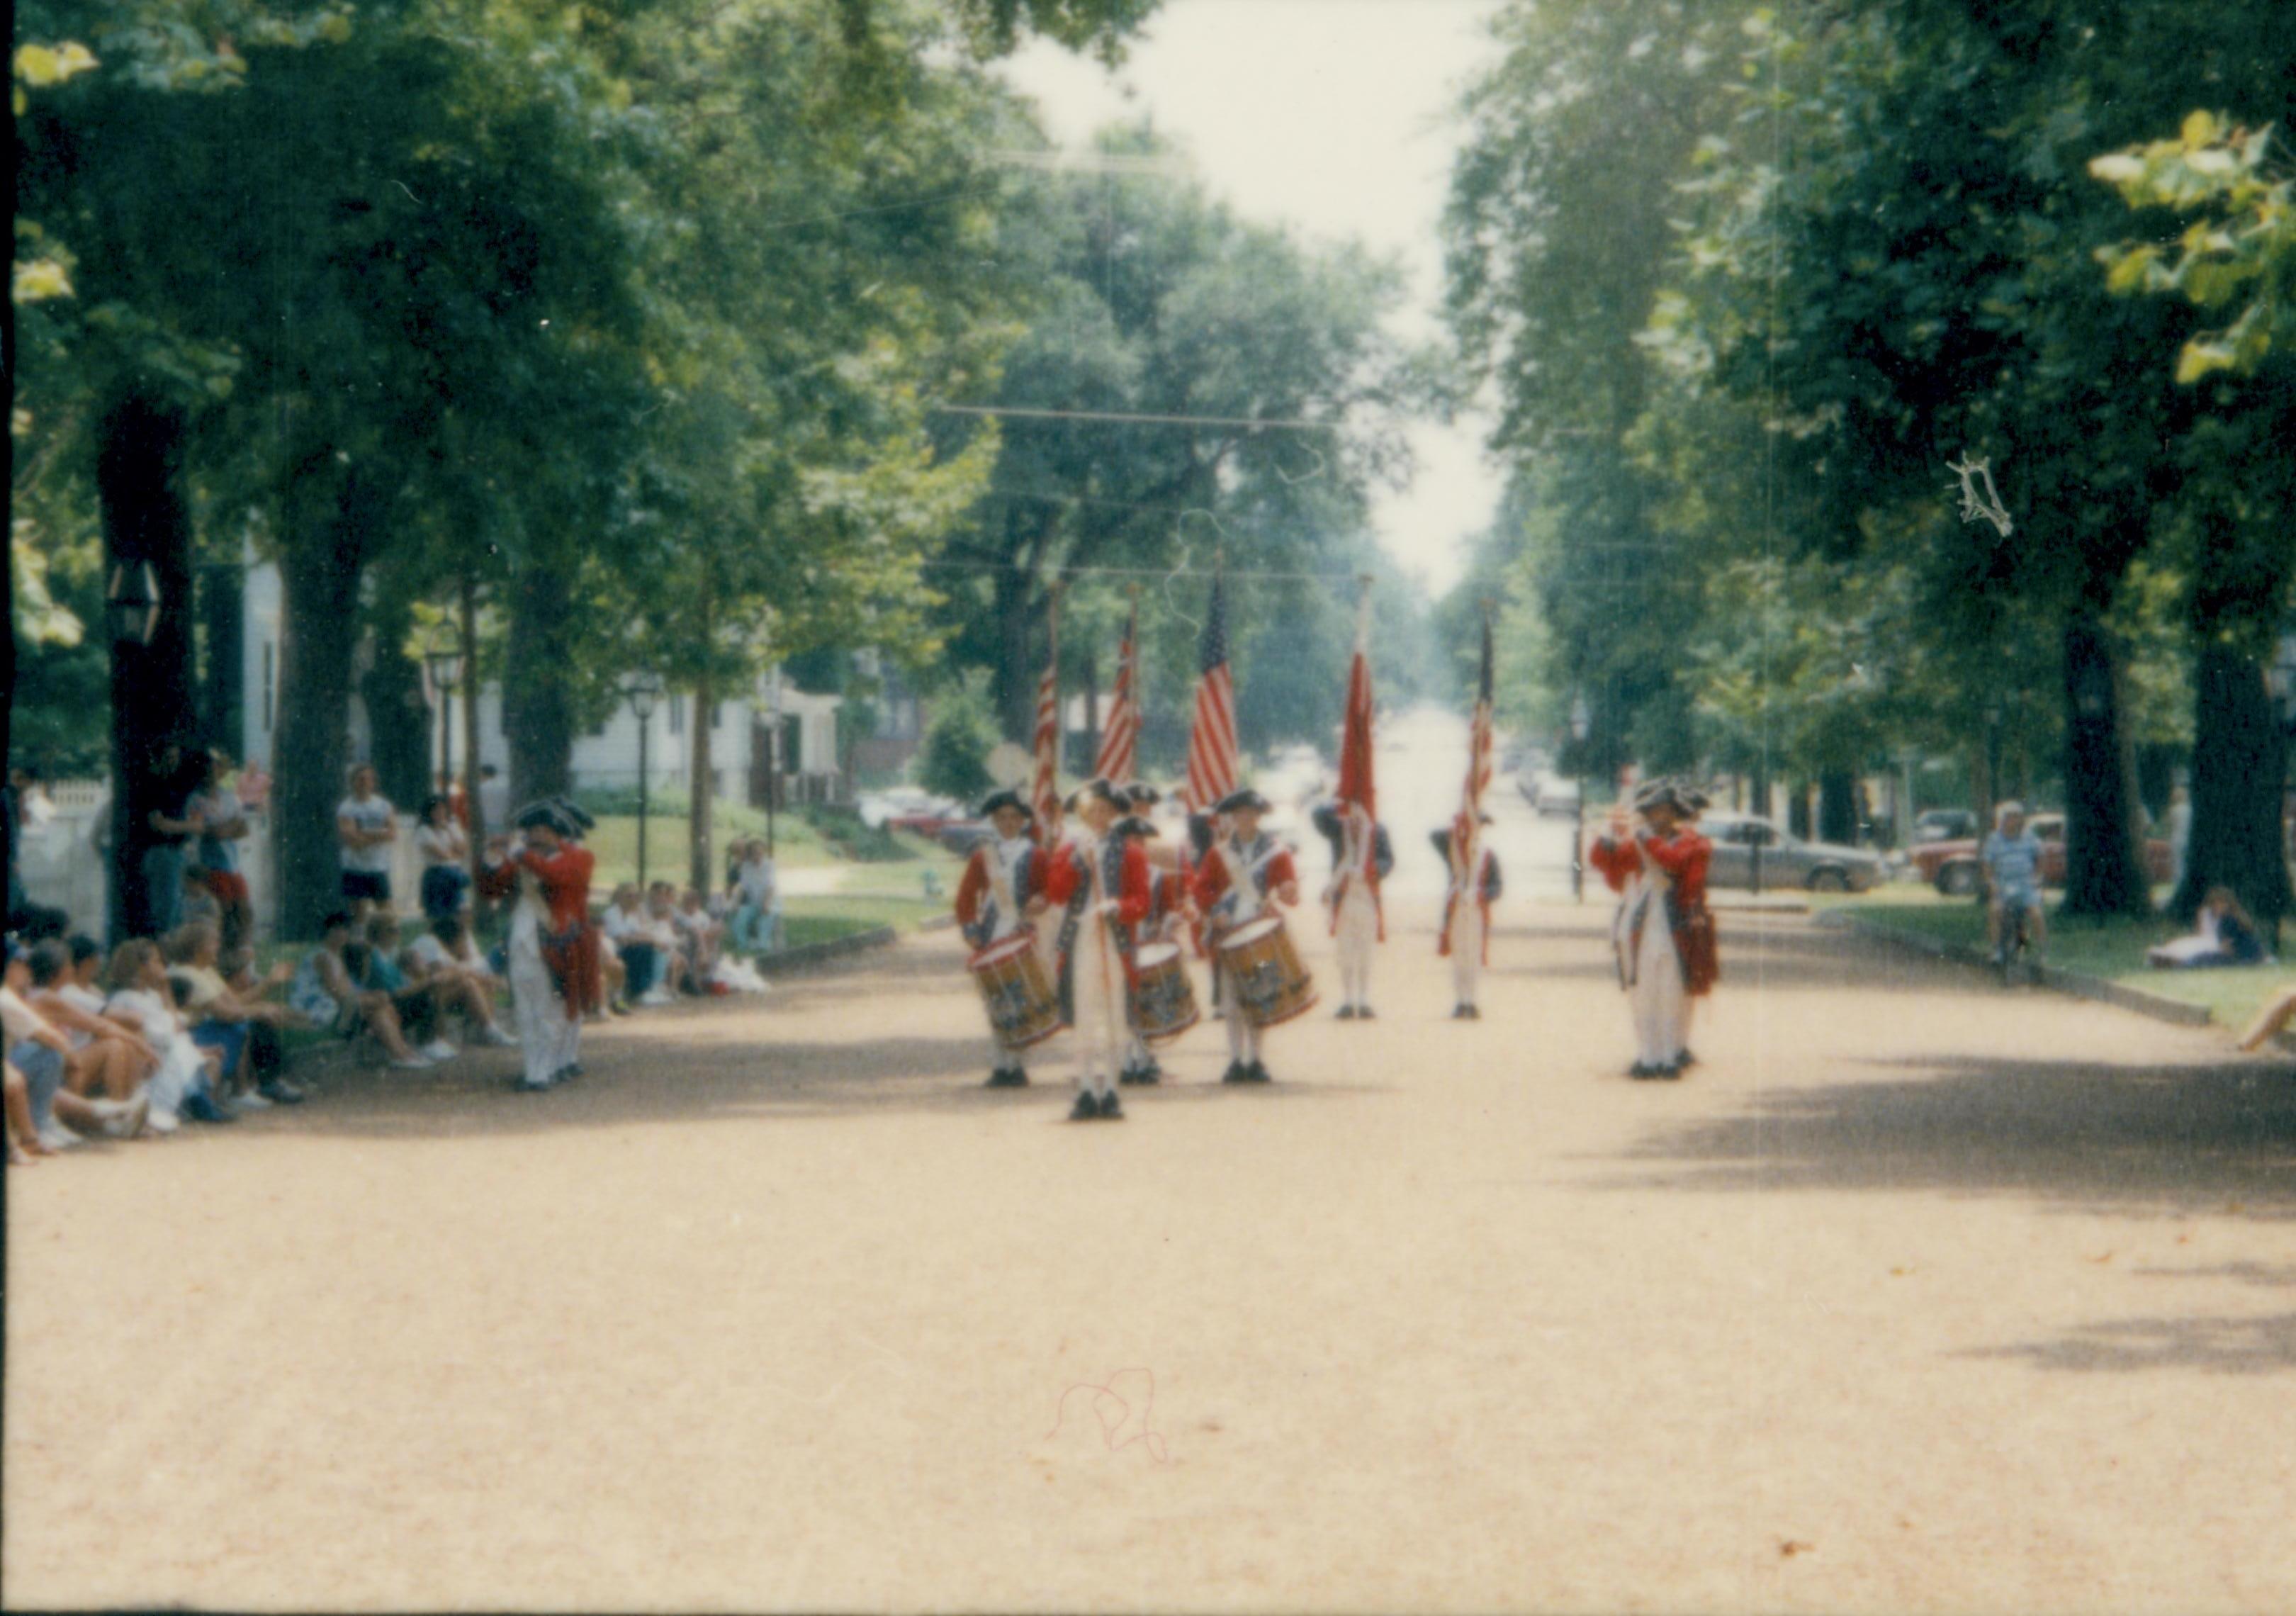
x: 1684, y: 1058
x: 1005, y: 1077
x: 1148, y: 1076
x: 1366, y: 1014
x: 1236, y: 1072
x: 1640, y: 1070
x: 1347, y: 1013
x: 1671, y: 1072
x: 1474, y: 1013
x: 1458, y: 1012
x: 1086, y: 1110
x: 1111, y: 1109
x: 1130, y: 1074
x: 1257, y: 1074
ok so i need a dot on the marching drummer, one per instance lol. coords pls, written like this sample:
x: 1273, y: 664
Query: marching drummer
x: 1467, y: 914
x: 992, y: 902
x: 1099, y: 882
x: 1656, y: 862
x: 1242, y: 877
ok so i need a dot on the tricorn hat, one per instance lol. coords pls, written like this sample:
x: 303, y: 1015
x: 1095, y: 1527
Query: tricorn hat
x: 1007, y: 799
x: 1141, y: 794
x: 1245, y: 797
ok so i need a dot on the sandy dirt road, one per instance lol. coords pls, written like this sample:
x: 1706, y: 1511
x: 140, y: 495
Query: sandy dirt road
x: 1918, y: 1295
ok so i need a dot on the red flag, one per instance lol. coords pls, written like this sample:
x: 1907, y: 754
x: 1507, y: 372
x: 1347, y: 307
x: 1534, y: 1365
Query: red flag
x: 1211, y: 741
x: 1119, y: 744
x: 1044, y: 796
x: 1356, y: 783
x: 1467, y: 829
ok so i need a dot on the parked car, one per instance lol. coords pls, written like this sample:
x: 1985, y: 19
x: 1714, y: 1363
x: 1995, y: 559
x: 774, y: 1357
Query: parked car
x: 1954, y: 869
x: 1943, y: 824
x: 1556, y: 795
x: 1787, y: 860
x: 961, y: 836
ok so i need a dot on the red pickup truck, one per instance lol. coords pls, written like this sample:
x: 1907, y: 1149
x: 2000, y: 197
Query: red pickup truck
x: 1954, y: 869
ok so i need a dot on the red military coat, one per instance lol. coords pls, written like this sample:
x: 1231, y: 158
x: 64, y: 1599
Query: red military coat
x: 1683, y: 857
x: 569, y: 944
x: 1218, y: 875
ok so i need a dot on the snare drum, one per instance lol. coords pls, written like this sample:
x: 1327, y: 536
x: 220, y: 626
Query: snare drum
x: 1271, y: 985
x: 1018, y: 991
x: 1163, y: 1003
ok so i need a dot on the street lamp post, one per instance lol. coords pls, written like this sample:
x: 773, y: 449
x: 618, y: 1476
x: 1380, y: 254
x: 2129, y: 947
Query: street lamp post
x: 644, y: 691
x: 444, y: 658
x: 1582, y: 722
x: 131, y: 603
x: 772, y: 753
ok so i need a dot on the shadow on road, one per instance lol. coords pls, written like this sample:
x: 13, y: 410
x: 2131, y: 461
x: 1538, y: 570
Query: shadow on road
x: 2089, y: 1134
x: 2222, y: 1346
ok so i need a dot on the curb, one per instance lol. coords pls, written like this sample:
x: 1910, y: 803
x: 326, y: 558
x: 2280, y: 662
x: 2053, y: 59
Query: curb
x: 936, y: 922
x: 2077, y: 984
x: 809, y: 955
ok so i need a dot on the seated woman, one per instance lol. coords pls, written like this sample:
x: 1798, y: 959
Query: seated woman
x: 38, y: 1050
x: 327, y: 992
x: 631, y: 929
x: 248, y: 1030
x: 189, y: 1078
x: 2226, y: 936
x: 106, y: 1055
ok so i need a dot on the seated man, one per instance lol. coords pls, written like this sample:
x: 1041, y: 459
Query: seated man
x: 422, y: 1004
x: 631, y: 929
x: 436, y: 961
x: 327, y: 993
x: 2012, y: 856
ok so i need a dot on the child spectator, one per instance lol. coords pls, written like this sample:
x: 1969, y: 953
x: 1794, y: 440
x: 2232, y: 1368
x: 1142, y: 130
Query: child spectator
x: 446, y: 852
x: 327, y: 992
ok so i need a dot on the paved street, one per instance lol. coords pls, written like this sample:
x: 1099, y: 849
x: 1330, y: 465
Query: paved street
x: 1916, y: 1295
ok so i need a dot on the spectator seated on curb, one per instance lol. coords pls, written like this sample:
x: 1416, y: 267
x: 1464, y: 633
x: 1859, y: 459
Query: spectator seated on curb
x: 106, y: 1055
x: 327, y: 992
x: 24, y: 1146
x: 40, y: 1051
x: 255, y: 1059
x: 421, y: 1004
x: 457, y: 985
x: 2223, y: 935
x: 189, y: 1078
x: 756, y: 896
x: 702, y: 931
x: 661, y: 913
x: 641, y: 948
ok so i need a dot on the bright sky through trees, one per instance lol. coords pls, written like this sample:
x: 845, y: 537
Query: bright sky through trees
x: 1332, y: 116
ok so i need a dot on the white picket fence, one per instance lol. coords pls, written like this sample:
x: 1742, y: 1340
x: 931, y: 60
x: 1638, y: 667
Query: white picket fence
x: 63, y: 868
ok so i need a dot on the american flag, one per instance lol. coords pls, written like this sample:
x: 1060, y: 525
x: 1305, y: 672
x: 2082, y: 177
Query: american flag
x: 1356, y: 783
x: 1212, y: 741
x: 1468, y: 831
x: 1044, y: 796
x: 1121, y: 744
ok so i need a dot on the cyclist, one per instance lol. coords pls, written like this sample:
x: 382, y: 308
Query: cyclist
x: 2012, y: 856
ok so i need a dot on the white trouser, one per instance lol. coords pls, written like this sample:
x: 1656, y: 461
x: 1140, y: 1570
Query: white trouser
x: 1242, y: 1037
x: 1466, y: 951
x: 1097, y: 990
x: 1658, y: 997
x: 547, y: 1036
x: 1359, y: 936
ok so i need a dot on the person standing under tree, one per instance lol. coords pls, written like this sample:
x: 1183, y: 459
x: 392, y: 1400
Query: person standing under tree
x: 367, y: 827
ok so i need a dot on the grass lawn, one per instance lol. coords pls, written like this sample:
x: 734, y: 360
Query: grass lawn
x: 812, y: 920
x: 797, y: 845
x: 2111, y: 949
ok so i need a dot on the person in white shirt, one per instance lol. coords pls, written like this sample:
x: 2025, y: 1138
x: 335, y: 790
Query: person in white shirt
x: 189, y: 1077
x: 365, y: 826
x: 445, y: 850
x: 702, y: 932
x: 631, y: 929
x: 39, y: 1051
x: 758, y: 902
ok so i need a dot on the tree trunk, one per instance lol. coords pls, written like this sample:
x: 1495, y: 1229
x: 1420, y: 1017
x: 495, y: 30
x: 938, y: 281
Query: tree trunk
x: 403, y: 749
x: 1015, y: 683
x: 479, y: 828
x: 223, y: 672
x: 2238, y: 758
x: 140, y: 495
x: 319, y: 567
x: 1837, y: 807
x: 538, y: 712
x: 2103, y: 875
x: 699, y: 874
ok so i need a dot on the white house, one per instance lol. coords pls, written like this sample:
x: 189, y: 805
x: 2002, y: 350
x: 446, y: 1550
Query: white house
x: 741, y: 735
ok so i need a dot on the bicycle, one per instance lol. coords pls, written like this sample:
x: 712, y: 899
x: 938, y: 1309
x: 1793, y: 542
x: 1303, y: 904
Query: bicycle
x: 2017, y: 953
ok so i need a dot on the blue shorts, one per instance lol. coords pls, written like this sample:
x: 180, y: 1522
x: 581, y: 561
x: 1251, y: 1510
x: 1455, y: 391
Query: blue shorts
x: 2020, y: 896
